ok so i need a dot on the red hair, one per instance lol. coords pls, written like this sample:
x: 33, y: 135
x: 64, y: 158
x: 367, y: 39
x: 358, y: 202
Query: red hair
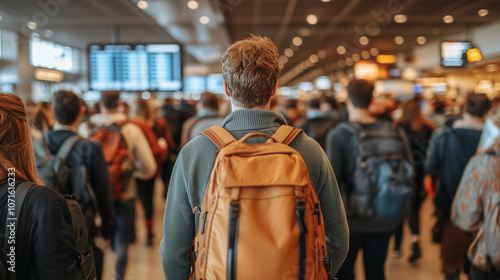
x: 16, y: 149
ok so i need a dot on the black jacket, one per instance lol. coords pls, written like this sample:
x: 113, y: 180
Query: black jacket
x: 90, y: 154
x: 449, y: 151
x: 45, y: 244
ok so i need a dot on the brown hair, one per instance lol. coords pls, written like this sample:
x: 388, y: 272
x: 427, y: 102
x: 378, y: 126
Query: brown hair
x: 360, y: 93
x: 16, y: 150
x: 412, y: 116
x: 141, y: 107
x: 251, y: 69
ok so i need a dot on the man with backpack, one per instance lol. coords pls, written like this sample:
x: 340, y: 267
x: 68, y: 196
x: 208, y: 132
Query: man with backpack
x: 87, y: 164
x: 252, y: 237
x: 128, y: 157
x: 476, y: 206
x: 449, y: 151
x: 373, y: 167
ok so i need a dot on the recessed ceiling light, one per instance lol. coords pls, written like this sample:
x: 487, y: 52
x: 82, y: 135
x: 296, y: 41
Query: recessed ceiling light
x: 399, y: 40
x: 365, y: 54
x: 349, y: 61
x: 193, y: 5
x: 313, y: 58
x: 448, y: 19
x: 341, y: 63
x: 374, y: 52
x: 325, y: 1
x: 363, y: 40
x: 32, y: 25
x: 341, y: 50
x: 48, y: 33
x: 204, y: 19
x: 482, y: 12
x: 289, y: 52
x: 356, y: 57
x: 421, y: 40
x: 297, y: 41
x: 400, y: 18
x: 284, y: 59
x: 142, y: 4
x: 281, y: 65
x: 321, y: 54
x: 312, y: 19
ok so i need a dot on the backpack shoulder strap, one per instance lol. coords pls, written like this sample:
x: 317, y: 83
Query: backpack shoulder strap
x: 219, y: 136
x: 286, y: 134
x: 21, y: 192
x: 67, y: 146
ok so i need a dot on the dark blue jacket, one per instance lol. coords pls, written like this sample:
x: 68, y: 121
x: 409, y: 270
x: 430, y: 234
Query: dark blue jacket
x: 449, y: 151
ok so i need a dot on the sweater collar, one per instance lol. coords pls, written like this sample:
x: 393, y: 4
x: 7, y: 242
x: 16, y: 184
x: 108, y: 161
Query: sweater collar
x: 250, y: 119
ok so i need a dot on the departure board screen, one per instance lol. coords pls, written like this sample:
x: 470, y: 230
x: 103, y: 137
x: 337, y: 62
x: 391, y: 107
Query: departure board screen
x: 453, y: 53
x: 153, y: 67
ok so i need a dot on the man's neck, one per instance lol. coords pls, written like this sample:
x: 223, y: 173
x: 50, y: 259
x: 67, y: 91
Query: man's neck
x: 361, y: 116
x: 72, y: 127
x: 266, y: 107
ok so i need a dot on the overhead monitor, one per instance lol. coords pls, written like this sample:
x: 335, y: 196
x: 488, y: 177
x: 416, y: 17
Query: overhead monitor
x: 139, y: 67
x: 215, y: 83
x: 453, y: 54
x: 195, y: 84
x: 52, y: 56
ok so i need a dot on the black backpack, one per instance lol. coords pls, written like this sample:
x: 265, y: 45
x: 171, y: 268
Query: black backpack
x: 82, y: 238
x: 64, y: 179
x: 380, y: 184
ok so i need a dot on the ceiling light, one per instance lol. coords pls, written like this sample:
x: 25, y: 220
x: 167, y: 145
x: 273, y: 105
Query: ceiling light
x: 349, y: 61
x: 341, y: 50
x: 491, y: 68
x: 400, y: 18
x: 321, y: 54
x: 421, y: 40
x: 448, y: 19
x: 281, y: 65
x: 284, y: 59
x: 204, y: 19
x: 325, y: 1
x: 313, y: 58
x: 356, y: 57
x: 482, y: 12
x: 193, y: 5
x: 297, y: 41
x: 341, y: 63
x: 289, y: 52
x: 48, y: 33
x: 363, y: 40
x: 374, y: 52
x: 312, y: 19
x: 365, y: 54
x: 32, y: 25
x: 399, y: 40
x: 142, y: 4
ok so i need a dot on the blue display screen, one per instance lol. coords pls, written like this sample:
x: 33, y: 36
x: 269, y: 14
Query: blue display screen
x: 154, y: 67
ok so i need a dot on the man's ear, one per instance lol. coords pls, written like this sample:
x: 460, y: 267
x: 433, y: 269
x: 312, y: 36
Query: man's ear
x: 275, y: 89
x: 226, y: 90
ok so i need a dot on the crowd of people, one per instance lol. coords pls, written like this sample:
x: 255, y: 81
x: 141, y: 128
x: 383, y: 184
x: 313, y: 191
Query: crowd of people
x: 448, y: 150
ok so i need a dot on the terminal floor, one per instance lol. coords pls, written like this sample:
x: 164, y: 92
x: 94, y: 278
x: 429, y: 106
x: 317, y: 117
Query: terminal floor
x: 145, y: 262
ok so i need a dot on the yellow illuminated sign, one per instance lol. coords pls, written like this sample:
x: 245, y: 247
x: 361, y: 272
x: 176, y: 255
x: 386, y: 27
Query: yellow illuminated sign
x: 474, y: 55
x: 48, y: 75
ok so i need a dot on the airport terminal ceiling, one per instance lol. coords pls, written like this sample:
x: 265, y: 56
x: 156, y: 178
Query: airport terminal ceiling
x: 308, y: 33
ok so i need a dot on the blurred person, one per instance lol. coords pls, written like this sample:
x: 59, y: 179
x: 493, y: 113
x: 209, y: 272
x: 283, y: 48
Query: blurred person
x: 476, y: 205
x: 142, y: 114
x: 329, y: 107
x: 368, y: 232
x: 207, y: 115
x: 69, y: 111
x: 449, y: 151
x: 437, y: 107
x: 42, y: 119
x: 171, y: 112
x: 316, y: 125
x: 250, y: 90
x: 129, y: 157
x: 419, y: 131
x: 45, y: 245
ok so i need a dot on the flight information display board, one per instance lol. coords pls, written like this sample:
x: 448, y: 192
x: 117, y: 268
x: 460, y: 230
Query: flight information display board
x: 453, y: 53
x: 152, y: 67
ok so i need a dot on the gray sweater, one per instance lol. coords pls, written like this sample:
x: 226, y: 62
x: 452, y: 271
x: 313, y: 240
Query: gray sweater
x: 190, y: 178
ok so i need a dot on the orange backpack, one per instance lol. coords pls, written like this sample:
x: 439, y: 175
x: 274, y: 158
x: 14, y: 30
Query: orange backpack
x: 261, y: 217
